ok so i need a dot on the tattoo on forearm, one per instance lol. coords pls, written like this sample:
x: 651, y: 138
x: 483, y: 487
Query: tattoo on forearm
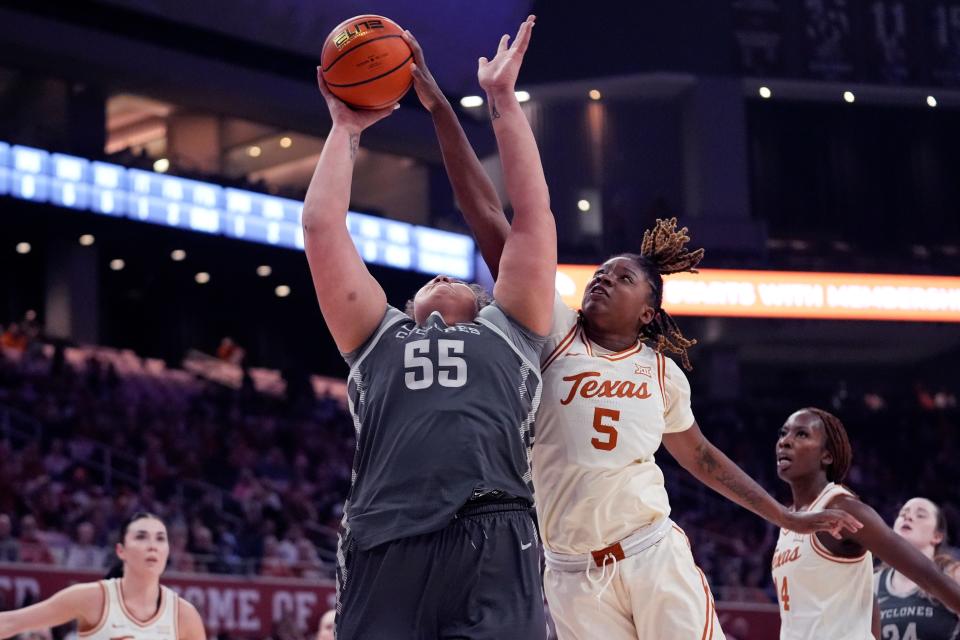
x: 354, y: 145
x: 494, y: 114
x: 713, y: 467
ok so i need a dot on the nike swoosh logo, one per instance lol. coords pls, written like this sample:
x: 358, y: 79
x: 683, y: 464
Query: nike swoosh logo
x: 524, y: 547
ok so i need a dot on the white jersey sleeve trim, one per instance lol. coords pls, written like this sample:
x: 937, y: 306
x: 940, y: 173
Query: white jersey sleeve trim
x: 104, y: 612
x: 677, y: 413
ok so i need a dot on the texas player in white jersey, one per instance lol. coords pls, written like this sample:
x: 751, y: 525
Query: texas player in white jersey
x: 134, y: 605
x: 825, y: 584
x: 617, y: 566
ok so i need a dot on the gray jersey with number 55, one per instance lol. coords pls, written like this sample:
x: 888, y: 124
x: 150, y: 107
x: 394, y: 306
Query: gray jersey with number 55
x: 441, y: 413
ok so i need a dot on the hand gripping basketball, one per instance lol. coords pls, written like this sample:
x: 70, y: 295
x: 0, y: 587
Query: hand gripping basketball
x: 431, y: 97
x: 500, y: 74
x: 353, y: 120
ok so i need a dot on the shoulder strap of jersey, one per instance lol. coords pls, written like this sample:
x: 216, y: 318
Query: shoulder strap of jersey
x: 882, y: 578
x: 106, y: 590
x: 829, y: 492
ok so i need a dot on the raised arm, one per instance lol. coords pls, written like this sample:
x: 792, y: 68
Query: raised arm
x: 81, y: 602
x: 351, y: 300
x: 713, y: 468
x: 528, y: 264
x: 878, y: 538
x: 475, y: 193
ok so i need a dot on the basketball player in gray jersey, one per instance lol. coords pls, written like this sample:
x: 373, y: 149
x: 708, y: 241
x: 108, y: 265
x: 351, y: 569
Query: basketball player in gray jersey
x: 906, y: 611
x: 438, y: 539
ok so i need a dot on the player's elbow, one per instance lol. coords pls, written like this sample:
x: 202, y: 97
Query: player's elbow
x: 533, y: 206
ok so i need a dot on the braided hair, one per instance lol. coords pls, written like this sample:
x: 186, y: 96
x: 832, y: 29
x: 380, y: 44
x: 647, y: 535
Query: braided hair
x: 838, y: 444
x: 663, y: 252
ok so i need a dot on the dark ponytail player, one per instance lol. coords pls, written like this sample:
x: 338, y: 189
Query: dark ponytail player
x: 129, y: 603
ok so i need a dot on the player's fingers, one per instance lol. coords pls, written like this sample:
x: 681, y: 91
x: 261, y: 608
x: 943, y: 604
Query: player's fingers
x: 504, y: 41
x: 414, y: 47
x: 523, y: 36
x: 323, y: 86
x: 852, y: 523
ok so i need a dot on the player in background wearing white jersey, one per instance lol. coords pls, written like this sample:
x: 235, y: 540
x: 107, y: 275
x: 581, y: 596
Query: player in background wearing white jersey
x: 824, y: 584
x: 134, y: 605
x: 906, y: 611
x: 605, y: 488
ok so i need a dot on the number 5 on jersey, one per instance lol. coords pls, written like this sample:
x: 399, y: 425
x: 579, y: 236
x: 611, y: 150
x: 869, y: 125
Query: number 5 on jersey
x: 609, y: 431
x: 419, y: 367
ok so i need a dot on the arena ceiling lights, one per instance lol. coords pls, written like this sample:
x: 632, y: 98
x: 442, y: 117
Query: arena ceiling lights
x: 794, y: 294
x: 147, y: 196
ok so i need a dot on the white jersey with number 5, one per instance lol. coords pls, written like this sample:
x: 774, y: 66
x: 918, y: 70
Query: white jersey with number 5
x: 601, y: 419
x: 822, y: 595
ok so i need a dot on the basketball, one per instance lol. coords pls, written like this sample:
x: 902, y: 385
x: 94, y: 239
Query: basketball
x: 366, y: 62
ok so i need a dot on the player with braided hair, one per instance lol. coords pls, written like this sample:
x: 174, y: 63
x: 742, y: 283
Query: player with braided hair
x: 664, y: 252
x: 610, y: 397
x: 825, y: 585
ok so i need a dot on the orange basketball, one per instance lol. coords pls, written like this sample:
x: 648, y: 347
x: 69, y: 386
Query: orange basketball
x: 366, y: 62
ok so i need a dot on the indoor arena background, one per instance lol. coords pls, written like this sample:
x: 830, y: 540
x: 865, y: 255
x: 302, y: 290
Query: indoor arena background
x: 162, y: 347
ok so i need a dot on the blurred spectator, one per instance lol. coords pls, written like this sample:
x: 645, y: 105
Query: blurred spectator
x: 273, y: 564
x: 180, y: 558
x: 83, y: 553
x: 14, y: 338
x: 205, y: 552
x: 737, y: 629
x: 308, y: 563
x: 56, y: 462
x: 9, y: 546
x: 286, y: 627
x: 326, y: 626
x: 874, y: 402
x: 33, y: 550
x: 230, y: 351
x: 944, y: 399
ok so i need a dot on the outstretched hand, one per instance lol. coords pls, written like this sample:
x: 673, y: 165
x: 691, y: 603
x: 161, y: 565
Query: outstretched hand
x: 431, y: 97
x: 833, y: 521
x: 353, y: 120
x: 500, y: 74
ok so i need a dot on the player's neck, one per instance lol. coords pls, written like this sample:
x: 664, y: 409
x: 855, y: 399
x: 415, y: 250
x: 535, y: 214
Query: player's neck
x: 901, y: 583
x: 140, y: 592
x: 806, y: 490
x: 610, y: 340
